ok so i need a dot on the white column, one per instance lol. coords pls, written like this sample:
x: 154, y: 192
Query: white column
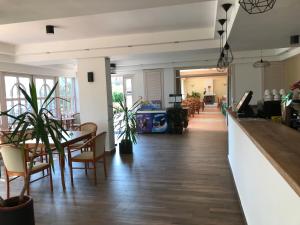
x: 95, y: 97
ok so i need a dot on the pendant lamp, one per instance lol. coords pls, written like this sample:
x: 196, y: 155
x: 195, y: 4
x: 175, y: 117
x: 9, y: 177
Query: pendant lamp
x: 257, y: 6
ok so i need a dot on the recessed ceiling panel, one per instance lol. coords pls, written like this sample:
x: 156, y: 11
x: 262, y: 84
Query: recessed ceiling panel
x: 176, y: 17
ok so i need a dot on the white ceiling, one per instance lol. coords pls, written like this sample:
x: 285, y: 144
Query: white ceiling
x: 159, y: 58
x: 79, y: 19
x: 14, y: 11
x: 177, y: 17
x: 268, y: 30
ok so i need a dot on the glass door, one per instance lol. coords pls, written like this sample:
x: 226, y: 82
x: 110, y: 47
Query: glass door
x: 128, y: 92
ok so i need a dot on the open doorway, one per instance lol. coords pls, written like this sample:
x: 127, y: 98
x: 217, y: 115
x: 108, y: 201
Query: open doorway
x: 204, y: 92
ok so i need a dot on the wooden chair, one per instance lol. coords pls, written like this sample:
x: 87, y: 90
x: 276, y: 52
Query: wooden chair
x: 89, y: 127
x: 76, y: 122
x: 16, y: 165
x: 97, y: 153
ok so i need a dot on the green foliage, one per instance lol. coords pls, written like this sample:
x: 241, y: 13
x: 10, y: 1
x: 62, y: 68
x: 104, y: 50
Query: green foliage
x: 196, y: 94
x: 125, y: 121
x: 287, y: 99
x: 117, y: 96
x: 36, y: 123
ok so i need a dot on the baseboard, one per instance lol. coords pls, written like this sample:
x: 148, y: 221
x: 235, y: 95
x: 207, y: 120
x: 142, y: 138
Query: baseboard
x: 236, y: 190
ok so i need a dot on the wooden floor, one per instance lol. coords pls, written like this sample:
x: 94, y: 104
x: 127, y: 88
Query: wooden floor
x: 169, y: 179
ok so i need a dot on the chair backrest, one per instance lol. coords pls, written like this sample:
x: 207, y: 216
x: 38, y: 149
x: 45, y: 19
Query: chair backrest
x: 13, y: 158
x: 76, y: 118
x: 6, y: 136
x: 99, y: 147
x: 90, y: 127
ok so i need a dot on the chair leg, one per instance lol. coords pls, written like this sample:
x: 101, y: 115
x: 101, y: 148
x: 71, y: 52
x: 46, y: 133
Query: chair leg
x: 42, y: 160
x: 71, y: 172
x: 50, y: 178
x: 7, y: 186
x: 85, y: 167
x: 95, y: 173
x: 104, y: 165
x: 28, y: 185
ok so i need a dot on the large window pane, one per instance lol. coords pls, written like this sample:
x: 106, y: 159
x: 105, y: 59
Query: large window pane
x: 39, y: 84
x: 9, y: 83
x: 67, y: 93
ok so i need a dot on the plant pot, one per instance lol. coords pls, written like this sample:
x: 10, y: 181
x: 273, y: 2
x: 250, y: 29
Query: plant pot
x: 16, y: 213
x: 125, y: 147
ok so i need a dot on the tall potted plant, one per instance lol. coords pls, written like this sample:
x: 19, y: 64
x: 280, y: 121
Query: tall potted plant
x: 41, y: 123
x: 125, y: 125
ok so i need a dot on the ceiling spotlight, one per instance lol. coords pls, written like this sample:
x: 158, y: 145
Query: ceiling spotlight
x: 257, y: 6
x: 49, y: 29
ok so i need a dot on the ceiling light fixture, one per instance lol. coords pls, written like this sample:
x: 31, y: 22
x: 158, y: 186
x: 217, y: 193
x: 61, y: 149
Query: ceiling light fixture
x: 49, y: 29
x: 261, y: 63
x: 228, y: 56
x: 257, y: 6
x: 221, y: 67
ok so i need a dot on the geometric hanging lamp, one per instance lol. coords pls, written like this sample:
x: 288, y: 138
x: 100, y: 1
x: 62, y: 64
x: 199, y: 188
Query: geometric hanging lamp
x: 221, y: 64
x: 257, y: 6
x: 228, y: 56
x: 261, y: 63
x: 221, y: 67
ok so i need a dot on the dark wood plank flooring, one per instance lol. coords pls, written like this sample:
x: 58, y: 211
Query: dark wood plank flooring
x: 169, y: 179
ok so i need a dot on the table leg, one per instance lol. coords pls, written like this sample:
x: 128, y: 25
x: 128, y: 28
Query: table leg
x: 62, y: 170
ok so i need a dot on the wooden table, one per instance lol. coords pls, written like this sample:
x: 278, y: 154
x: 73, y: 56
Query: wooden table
x: 74, y: 137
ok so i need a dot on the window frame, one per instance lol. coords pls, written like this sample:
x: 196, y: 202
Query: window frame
x: 3, y: 98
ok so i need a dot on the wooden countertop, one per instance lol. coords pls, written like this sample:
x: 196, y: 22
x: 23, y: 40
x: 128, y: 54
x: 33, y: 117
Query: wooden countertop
x: 278, y: 143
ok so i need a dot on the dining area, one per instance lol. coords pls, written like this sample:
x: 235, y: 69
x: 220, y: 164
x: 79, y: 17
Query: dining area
x: 35, y: 143
x: 80, y: 145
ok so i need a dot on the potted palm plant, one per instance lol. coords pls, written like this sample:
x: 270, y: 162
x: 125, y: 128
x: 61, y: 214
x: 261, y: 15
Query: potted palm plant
x: 125, y: 125
x: 42, y: 125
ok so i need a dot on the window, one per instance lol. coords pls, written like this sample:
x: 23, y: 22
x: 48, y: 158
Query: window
x: 67, y: 92
x: 13, y: 95
x: 43, y: 88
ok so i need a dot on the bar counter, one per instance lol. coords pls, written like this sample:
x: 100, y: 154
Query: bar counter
x: 264, y: 157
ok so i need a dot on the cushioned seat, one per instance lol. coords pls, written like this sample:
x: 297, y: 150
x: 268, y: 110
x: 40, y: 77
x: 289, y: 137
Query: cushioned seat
x: 16, y: 165
x: 84, y: 156
x: 96, y: 153
x: 38, y: 166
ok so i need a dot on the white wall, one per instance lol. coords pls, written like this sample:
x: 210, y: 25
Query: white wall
x: 266, y: 198
x: 274, y: 76
x: 245, y: 78
x: 169, y: 85
x: 95, y: 97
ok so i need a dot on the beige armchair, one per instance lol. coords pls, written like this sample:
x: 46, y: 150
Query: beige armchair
x: 15, y: 165
x: 96, y: 153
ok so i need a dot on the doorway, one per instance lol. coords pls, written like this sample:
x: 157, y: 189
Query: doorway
x: 207, y: 85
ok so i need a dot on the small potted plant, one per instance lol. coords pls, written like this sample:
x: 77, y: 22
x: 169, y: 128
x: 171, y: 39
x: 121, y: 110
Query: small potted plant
x: 126, y: 125
x: 39, y: 120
